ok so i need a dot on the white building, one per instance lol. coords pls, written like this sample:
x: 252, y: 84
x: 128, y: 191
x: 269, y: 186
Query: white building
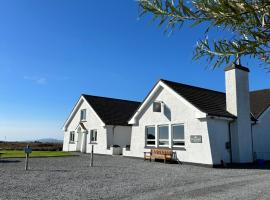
x: 101, y: 122
x: 200, y: 125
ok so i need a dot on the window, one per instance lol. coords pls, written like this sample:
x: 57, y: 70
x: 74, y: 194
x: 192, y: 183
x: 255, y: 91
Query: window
x: 72, y: 136
x: 93, y: 136
x: 178, y: 135
x: 83, y: 115
x: 157, y: 107
x: 163, y: 132
x: 150, y: 136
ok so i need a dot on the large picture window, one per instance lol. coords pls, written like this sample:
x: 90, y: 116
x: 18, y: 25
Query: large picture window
x: 150, y: 136
x: 163, y: 132
x: 178, y: 135
x: 72, y: 136
x: 93, y: 136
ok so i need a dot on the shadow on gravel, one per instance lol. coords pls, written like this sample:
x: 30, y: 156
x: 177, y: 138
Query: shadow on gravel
x: 49, y: 170
x: 9, y: 161
x: 266, y: 166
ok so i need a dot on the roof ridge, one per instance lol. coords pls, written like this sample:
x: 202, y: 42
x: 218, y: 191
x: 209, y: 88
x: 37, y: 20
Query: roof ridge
x: 110, y: 98
x: 261, y: 90
x: 192, y: 86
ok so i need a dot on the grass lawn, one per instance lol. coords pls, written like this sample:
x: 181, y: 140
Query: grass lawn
x: 21, y: 154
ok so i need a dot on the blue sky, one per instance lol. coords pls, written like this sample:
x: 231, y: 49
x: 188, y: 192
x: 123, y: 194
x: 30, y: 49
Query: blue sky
x: 51, y: 51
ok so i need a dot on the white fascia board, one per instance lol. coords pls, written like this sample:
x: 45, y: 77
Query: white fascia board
x: 220, y: 118
x: 263, y: 114
x: 75, y: 109
x: 199, y: 114
x: 102, y: 123
x: 154, y: 90
x: 79, y: 102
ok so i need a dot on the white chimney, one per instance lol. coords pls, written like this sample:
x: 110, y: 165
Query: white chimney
x: 238, y: 104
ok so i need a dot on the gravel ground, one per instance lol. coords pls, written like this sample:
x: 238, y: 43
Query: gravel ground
x: 126, y: 178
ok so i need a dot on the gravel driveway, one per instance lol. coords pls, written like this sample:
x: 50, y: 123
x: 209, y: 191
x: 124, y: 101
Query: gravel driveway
x: 126, y: 178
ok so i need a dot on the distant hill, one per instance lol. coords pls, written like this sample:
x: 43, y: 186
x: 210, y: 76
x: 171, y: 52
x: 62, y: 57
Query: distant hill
x: 50, y: 140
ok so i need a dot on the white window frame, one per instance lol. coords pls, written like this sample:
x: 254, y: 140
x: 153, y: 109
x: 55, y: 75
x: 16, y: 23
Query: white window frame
x: 91, y: 132
x: 72, y: 137
x: 150, y: 140
x: 83, y: 116
x: 166, y: 140
x: 178, y: 140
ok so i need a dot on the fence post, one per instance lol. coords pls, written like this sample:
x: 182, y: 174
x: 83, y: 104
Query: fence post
x: 92, y: 156
x: 26, y: 159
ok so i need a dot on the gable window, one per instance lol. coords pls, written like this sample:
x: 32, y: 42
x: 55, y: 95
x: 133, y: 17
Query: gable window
x: 163, y: 132
x: 72, y: 136
x: 178, y: 135
x: 150, y: 136
x: 93, y: 136
x: 157, y: 107
x: 83, y: 115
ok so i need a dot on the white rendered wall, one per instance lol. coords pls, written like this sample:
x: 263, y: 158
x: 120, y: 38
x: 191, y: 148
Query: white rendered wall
x: 218, y: 130
x: 177, y: 112
x: 92, y: 122
x: 261, y: 137
x: 237, y: 100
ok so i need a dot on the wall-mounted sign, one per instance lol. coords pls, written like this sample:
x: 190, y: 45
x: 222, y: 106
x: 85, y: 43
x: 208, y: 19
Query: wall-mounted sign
x: 196, y: 139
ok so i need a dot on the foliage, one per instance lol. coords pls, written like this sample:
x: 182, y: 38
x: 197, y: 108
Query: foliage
x: 37, y: 146
x: 248, y: 21
x: 21, y: 154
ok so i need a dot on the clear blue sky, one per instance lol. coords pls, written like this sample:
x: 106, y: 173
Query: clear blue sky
x: 51, y: 51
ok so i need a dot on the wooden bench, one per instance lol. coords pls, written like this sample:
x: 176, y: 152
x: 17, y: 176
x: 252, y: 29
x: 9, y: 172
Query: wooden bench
x: 161, y: 154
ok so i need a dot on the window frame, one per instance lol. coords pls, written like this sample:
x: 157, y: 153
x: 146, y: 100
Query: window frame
x: 150, y: 140
x: 72, y: 137
x: 83, y: 116
x: 178, y: 140
x: 164, y: 140
x: 90, y: 139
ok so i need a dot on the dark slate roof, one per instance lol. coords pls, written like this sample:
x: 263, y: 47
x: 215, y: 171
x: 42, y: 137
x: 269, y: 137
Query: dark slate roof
x: 259, y: 102
x: 208, y: 101
x: 214, y: 102
x: 112, y: 111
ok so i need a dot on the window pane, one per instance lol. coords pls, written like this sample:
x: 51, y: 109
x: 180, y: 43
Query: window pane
x: 178, y: 132
x: 163, y: 142
x: 152, y: 142
x: 150, y: 133
x: 83, y: 114
x: 163, y: 132
x: 157, y: 107
x: 179, y: 143
x: 93, y: 136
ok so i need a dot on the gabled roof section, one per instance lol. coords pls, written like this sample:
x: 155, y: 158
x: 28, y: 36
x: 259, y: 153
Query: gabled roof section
x: 259, y: 102
x: 208, y: 101
x: 112, y: 111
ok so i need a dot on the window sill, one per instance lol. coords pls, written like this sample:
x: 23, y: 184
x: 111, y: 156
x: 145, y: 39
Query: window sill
x: 164, y: 147
x: 71, y: 142
x: 83, y: 120
x: 92, y: 143
x: 179, y: 148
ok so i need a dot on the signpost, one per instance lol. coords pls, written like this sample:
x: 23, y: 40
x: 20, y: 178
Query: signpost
x: 27, y: 151
x: 92, y: 156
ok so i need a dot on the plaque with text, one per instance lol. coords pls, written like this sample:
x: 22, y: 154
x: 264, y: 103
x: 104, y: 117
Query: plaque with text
x: 196, y: 139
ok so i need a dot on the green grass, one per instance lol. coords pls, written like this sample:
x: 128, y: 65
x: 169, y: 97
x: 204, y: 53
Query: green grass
x: 21, y: 154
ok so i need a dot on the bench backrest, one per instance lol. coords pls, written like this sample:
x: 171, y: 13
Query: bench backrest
x: 161, y: 152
